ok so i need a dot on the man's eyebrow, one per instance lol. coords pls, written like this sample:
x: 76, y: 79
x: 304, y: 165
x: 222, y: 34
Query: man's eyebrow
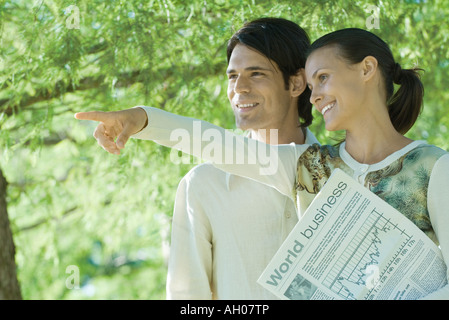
x: 252, y: 68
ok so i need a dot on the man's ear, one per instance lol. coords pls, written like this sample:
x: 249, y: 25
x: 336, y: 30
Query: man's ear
x: 369, y: 67
x: 298, y: 83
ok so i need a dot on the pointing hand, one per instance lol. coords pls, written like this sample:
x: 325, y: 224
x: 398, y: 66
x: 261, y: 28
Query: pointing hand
x: 115, y: 127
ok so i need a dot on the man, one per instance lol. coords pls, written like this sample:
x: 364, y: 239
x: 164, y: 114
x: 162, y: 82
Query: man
x: 227, y: 228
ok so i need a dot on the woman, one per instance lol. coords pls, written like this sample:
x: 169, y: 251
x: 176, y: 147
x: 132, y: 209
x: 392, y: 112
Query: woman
x: 351, y: 74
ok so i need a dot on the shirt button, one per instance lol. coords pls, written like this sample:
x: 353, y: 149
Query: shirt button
x: 364, y: 168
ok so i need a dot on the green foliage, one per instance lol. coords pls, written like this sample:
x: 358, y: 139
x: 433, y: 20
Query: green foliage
x: 71, y: 203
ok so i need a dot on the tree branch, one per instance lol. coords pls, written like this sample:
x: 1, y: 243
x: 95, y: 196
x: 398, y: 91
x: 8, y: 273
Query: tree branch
x: 45, y: 220
x: 61, y: 88
x: 124, y: 80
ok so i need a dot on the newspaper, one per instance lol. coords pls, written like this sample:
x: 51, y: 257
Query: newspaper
x: 352, y: 245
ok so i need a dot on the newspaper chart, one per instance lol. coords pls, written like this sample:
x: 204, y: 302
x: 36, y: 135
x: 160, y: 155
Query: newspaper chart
x: 352, y: 245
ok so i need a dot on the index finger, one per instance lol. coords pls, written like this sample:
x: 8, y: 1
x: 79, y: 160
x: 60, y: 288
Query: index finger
x: 92, y: 115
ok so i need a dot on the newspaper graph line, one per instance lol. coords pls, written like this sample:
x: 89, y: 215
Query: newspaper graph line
x: 351, y: 271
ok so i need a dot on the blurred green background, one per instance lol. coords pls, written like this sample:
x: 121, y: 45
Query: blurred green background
x: 71, y: 204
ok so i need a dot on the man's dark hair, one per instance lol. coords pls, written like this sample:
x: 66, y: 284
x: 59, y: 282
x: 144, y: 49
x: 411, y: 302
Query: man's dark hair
x: 283, y: 42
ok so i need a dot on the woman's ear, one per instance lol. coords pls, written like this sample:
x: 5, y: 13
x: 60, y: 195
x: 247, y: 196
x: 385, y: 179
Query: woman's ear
x: 298, y: 83
x: 369, y: 66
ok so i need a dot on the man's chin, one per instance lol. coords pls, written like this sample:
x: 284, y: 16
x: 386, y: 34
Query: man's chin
x: 245, y: 125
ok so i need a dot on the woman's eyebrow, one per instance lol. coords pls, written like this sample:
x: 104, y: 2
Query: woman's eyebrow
x: 316, y: 71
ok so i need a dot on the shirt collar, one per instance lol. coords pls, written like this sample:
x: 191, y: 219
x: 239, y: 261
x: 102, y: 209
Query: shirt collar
x: 308, y: 139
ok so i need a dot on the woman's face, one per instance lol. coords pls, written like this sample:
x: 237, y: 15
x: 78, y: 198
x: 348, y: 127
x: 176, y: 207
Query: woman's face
x: 337, y: 88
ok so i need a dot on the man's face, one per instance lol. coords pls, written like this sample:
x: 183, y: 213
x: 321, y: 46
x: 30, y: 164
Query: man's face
x: 256, y: 90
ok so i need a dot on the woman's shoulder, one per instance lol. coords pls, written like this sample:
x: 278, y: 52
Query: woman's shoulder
x: 315, y: 166
x: 317, y: 149
x: 424, y: 151
x: 320, y: 157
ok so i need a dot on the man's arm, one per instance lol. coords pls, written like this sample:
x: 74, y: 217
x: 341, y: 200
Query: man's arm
x: 273, y: 165
x: 190, y: 265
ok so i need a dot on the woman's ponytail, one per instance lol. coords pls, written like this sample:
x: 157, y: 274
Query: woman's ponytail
x: 405, y: 105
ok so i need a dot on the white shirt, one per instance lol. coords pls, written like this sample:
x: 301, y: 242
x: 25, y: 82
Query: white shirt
x: 225, y: 230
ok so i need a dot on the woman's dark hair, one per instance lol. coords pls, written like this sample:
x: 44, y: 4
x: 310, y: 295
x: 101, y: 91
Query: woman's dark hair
x: 354, y: 45
x: 283, y: 42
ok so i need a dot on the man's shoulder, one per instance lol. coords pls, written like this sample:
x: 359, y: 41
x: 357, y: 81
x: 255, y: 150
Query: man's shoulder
x: 203, y: 172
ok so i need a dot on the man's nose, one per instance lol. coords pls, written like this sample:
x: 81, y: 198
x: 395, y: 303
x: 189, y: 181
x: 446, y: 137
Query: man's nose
x: 242, y: 85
